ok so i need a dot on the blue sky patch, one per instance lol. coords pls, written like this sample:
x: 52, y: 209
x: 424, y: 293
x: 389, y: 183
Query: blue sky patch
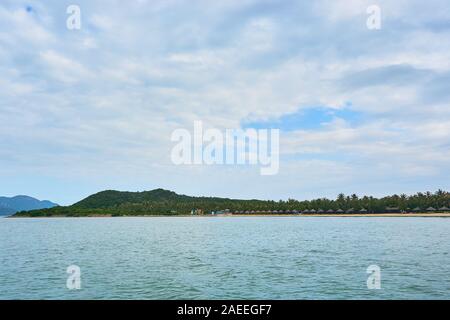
x: 305, y: 119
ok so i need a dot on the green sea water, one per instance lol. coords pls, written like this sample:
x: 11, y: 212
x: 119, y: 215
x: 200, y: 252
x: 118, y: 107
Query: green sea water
x: 225, y: 258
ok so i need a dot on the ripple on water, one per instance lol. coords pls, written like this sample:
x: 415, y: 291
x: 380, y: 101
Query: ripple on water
x: 236, y: 258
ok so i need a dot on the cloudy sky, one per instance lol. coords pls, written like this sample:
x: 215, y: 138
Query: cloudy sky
x: 360, y: 111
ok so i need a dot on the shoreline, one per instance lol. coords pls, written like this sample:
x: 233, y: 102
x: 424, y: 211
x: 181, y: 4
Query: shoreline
x: 344, y: 215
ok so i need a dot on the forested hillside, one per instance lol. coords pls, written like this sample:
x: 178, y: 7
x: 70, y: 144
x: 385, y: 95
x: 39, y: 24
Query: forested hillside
x: 164, y: 202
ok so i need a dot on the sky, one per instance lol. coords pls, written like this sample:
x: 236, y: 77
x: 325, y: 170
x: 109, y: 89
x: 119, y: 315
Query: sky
x: 359, y: 110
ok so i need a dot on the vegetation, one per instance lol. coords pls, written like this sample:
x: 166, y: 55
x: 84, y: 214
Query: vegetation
x: 163, y: 202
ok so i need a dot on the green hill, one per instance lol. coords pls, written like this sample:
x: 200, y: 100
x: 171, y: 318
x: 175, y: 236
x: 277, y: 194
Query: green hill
x: 112, y: 198
x: 154, y: 202
x: 164, y: 202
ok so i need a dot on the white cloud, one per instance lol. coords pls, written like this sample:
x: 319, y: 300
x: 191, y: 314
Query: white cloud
x: 102, y: 22
x: 64, y: 69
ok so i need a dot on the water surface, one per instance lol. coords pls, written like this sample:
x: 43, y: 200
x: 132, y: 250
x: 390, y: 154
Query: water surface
x: 225, y: 258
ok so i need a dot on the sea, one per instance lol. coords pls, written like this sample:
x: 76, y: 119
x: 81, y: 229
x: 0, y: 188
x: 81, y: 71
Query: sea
x: 225, y: 258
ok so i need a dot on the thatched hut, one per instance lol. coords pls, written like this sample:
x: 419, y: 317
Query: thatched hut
x: 431, y: 209
x: 339, y: 211
x: 363, y: 210
x: 444, y: 209
x: 330, y: 211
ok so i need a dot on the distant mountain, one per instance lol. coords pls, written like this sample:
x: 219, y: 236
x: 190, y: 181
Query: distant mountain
x: 9, y: 206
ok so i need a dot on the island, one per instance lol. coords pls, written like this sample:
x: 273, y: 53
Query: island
x: 160, y: 202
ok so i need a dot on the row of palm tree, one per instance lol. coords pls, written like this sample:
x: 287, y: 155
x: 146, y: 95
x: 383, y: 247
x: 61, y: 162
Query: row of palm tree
x: 419, y: 202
